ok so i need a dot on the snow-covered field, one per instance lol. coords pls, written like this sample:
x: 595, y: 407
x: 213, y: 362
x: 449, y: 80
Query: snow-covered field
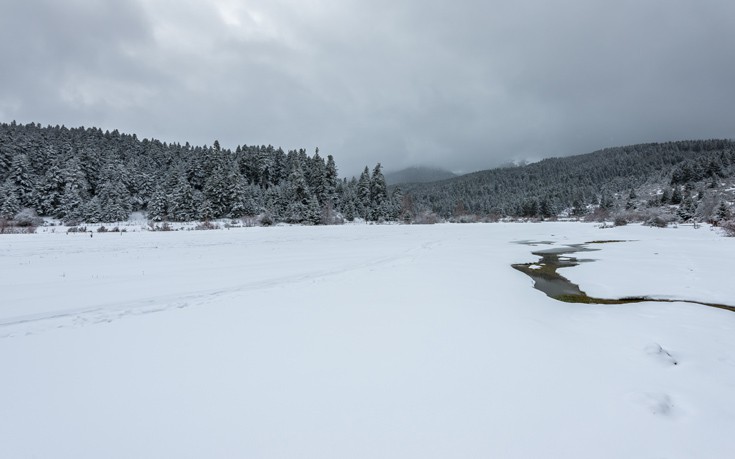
x: 363, y: 341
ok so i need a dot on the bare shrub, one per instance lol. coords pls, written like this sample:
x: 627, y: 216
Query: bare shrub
x: 328, y: 216
x: 600, y: 214
x: 102, y: 229
x: 265, y: 219
x: 426, y: 217
x: 27, y: 218
x: 206, y: 225
x: 165, y: 226
x: 657, y: 221
x: 728, y: 227
x: 465, y: 218
x: 620, y: 220
x: 249, y: 221
x: 492, y: 218
x: 11, y: 227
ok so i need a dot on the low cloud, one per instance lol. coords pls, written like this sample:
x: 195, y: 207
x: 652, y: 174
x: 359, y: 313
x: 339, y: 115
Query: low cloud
x: 464, y: 86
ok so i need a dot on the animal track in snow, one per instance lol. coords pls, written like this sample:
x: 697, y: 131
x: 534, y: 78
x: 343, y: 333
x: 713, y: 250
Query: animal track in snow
x: 662, y: 355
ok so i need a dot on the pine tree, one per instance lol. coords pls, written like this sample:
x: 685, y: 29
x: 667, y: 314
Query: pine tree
x: 22, y: 179
x: 378, y: 194
x: 92, y: 211
x: 687, y: 209
x: 236, y: 195
x: 298, y: 193
x: 251, y: 202
x: 157, y: 206
x: 606, y: 200
x: 676, y: 196
x: 723, y: 212
x: 546, y: 208
x: 665, y: 197
x: 330, y: 182
x: 49, y: 191
x: 349, y: 210
x: 182, y: 205
x: 10, y: 202
x: 114, y: 201
x: 578, y: 208
x: 205, y: 208
x: 316, y: 177
x: 313, y: 211
x: 217, y: 190
x: 363, y: 203
x: 71, y: 205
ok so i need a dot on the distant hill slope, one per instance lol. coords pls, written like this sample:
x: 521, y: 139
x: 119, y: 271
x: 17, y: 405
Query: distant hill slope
x: 418, y: 175
x: 645, y: 174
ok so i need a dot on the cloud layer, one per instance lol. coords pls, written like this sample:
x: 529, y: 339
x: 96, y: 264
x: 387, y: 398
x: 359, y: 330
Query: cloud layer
x: 464, y: 85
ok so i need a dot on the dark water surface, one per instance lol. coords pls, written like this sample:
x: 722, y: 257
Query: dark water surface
x: 554, y: 285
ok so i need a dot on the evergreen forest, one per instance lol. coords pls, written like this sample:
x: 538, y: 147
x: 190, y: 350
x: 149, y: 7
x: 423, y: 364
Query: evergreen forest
x: 692, y: 179
x: 89, y: 175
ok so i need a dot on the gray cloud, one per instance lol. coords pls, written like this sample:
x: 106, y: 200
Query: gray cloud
x: 463, y: 85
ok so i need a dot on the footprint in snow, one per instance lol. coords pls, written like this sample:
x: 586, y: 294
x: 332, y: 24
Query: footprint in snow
x: 658, y: 404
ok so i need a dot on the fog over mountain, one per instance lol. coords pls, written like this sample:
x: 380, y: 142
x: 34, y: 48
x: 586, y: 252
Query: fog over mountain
x: 465, y: 85
x: 418, y: 175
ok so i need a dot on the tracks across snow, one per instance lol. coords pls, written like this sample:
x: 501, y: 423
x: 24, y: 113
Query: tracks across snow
x: 108, y: 311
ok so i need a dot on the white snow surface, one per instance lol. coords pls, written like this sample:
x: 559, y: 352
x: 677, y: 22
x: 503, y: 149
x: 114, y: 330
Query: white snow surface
x: 364, y: 341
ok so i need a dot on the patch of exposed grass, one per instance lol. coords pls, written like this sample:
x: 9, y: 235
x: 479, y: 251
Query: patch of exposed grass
x: 544, y: 270
x: 584, y: 299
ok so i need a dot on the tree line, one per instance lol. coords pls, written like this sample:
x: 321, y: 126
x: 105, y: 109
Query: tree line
x: 691, y: 174
x: 90, y: 175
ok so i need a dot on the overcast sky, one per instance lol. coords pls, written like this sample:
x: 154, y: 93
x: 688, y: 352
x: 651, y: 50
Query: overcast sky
x: 463, y: 85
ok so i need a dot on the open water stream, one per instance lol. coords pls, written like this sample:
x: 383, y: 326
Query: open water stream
x: 554, y: 285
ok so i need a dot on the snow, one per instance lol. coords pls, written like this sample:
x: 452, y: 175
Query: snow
x: 363, y: 341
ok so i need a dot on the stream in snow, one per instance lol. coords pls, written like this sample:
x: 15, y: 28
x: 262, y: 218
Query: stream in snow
x: 554, y: 285
x: 364, y: 341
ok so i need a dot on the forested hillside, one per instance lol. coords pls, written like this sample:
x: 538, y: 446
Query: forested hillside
x: 694, y: 176
x: 417, y: 175
x: 90, y: 175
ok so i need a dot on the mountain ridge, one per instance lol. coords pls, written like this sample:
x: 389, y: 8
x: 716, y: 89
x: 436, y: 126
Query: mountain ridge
x: 418, y: 174
x: 606, y: 178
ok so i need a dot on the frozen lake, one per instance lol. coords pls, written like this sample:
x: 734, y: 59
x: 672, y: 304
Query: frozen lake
x: 364, y: 341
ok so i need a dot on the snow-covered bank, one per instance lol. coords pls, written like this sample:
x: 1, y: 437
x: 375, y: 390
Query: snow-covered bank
x: 362, y: 341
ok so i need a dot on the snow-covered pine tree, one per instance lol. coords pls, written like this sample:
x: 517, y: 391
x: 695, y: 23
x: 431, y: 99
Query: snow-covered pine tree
x: 71, y: 205
x: 9, y: 201
x: 182, y: 205
x: 313, y: 214
x: 676, y: 196
x: 687, y: 209
x: 723, y: 212
x: 378, y: 194
x: 92, y: 211
x: 363, y: 201
x: 23, y: 180
x: 50, y: 191
x: 113, y: 195
x: 217, y: 189
x: 157, y: 206
x: 330, y: 181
